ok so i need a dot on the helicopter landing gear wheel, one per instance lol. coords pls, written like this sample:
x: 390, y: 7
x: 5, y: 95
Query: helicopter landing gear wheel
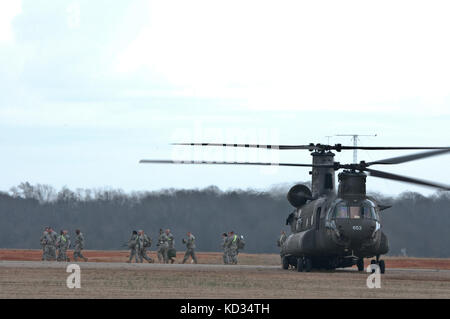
x: 382, y: 266
x: 300, y: 264
x: 308, y: 264
x: 285, y: 262
x: 360, y: 264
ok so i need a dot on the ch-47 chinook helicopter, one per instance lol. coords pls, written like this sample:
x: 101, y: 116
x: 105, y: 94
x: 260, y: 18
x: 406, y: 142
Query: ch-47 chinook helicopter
x: 333, y: 230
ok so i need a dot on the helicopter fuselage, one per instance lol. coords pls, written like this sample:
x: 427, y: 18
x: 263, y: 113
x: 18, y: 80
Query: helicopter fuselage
x: 336, y: 231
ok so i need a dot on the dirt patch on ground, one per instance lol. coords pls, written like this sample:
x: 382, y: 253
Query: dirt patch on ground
x: 418, y: 263
x: 123, y: 255
x: 209, y: 281
x: 216, y: 258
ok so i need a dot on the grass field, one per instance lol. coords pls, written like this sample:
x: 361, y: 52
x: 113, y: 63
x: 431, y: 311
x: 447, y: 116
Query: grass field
x: 187, y: 281
x: 106, y: 275
x: 109, y: 277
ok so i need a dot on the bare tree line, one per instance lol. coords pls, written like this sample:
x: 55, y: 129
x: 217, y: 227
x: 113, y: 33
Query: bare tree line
x: 419, y: 224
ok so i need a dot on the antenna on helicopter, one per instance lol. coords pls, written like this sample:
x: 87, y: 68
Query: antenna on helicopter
x: 355, y: 144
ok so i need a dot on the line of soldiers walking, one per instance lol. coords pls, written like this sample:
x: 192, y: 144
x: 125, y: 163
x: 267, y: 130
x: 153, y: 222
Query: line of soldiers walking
x: 54, y: 246
x: 139, y: 242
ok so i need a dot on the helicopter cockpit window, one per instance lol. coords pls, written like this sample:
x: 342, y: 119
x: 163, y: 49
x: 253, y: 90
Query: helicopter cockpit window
x: 341, y: 211
x: 355, y: 212
x: 368, y: 210
x: 365, y: 210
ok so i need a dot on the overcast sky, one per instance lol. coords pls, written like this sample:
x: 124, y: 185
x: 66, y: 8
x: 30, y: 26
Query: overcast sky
x: 88, y: 88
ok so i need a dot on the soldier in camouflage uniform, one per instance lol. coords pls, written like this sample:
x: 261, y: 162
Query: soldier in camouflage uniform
x: 163, y: 246
x: 79, y: 245
x: 190, y: 246
x: 132, y: 246
x: 171, y: 252
x: 62, y: 244
x: 281, y: 241
x: 233, y: 247
x: 43, y: 241
x: 51, y: 238
x: 142, y: 242
x: 225, y: 248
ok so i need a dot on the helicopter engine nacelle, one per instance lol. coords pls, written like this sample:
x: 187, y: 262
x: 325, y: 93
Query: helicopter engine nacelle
x: 298, y: 195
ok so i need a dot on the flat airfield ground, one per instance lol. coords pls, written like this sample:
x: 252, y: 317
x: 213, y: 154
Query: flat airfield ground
x: 106, y: 275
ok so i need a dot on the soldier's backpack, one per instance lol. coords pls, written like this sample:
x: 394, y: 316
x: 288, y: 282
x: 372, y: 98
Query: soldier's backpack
x: 171, y: 253
x: 147, y: 242
x: 241, y: 242
x: 132, y: 242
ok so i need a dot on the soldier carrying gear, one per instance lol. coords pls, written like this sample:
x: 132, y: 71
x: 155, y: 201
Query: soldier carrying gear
x: 142, y: 242
x: 132, y: 246
x: 162, y: 246
x: 281, y: 241
x: 190, y: 246
x: 226, y: 256
x: 79, y: 245
x: 171, y: 252
x: 63, y: 243
x: 233, y: 247
x: 50, y: 239
x: 43, y: 241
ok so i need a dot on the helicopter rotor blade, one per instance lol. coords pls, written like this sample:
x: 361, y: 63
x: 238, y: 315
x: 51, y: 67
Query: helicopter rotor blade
x: 406, y: 179
x: 145, y: 161
x: 311, y: 146
x: 411, y: 157
x: 369, y: 148
x: 263, y: 146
